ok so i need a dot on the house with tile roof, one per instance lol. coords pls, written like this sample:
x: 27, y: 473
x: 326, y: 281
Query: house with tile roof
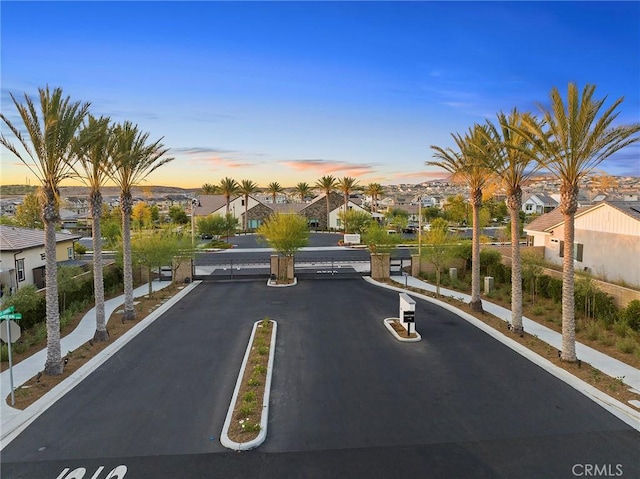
x: 22, y: 255
x: 606, y: 244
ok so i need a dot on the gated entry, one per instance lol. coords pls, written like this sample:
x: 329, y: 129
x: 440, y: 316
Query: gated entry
x: 217, y: 268
x: 332, y: 267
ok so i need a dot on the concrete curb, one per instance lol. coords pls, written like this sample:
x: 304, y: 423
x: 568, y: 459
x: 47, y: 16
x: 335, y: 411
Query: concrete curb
x: 20, y: 422
x: 274, y: 285
x: 262, y: 435
x: 615, y: 407
x: 387, y: 324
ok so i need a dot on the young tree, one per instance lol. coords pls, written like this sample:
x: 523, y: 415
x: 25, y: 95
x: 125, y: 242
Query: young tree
x: 177, y: 215
x: 213, y: 225
x: 49, y: 150
x: 354, y: 221
x: 286, y: 233
x: 141, y: 215
x: 378, y: 241
x: 437, y: 251
x: 155, y: 249
x: 29, y: 213
x: 133, y: 159
x: 572, y: 139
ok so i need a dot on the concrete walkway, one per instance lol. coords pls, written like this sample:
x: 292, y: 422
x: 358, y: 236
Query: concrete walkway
x: 31, y: 366
x: 608, y: 365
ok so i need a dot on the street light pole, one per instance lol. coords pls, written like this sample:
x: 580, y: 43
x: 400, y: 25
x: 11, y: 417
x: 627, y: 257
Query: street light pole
x: 419, y: 227
x: 194, y: 201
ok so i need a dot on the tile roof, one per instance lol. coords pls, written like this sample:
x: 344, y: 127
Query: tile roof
x: 14, y: 238
x: 209, y: 203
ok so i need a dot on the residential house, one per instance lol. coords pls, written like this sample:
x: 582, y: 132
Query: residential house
x: 22, y: 256
x: 538, y: 203
x: 606, y: 244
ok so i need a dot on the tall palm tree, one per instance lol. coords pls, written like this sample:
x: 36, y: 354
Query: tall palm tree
x: 466, y: 164
x: 347, y: 185
x: 303, y: 189
x: 49, y: 150
x: 228, y: 187
x: 327, y: 184
x: 572, y: 139
x: 374, y: 190
x: 132, y: 161
x: 209, y: 189
x: 246, y: 188
x: 95, y: 140
x: 509, y: 155
x: 274, y: 188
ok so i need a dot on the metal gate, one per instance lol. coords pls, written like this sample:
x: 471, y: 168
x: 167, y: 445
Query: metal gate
x: 218, y: 268
x: 332, y: 267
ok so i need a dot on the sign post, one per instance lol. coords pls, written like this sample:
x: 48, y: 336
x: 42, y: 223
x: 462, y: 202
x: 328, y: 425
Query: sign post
x: 7, y: 316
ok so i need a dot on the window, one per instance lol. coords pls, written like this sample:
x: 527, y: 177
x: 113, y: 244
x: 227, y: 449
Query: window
x: 20, y: 268
x: 529, y: 207
x: 70, y: 253
x: 577, y: 251
x: 42, y: 256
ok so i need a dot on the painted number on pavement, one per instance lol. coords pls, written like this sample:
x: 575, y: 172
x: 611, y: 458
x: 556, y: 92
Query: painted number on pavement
x: 80, y: 472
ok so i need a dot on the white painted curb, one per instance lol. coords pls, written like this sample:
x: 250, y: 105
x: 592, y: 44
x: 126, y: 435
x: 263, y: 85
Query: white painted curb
x: 19, y: 423
x: 275, y: 285
x: 262, y: 435
x: 615, y: 407
x: 387, y: 324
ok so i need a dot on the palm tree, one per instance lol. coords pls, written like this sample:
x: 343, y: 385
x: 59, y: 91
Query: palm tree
x: 208, y: 189
x: 50, y: 149
x: 95, y: 140
x: 572, y: 139
x: 466, y: 164
x: 327, y: 184
x: 131, y: 162
x: 303, y: 189
x: 274, y: 188
x: 347, y: 185
x: 509, y: 155
x: 246, y: 188
x: 374, y: 190
x: 228, y: 187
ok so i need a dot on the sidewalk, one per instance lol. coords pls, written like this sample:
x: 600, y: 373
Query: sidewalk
x: 31, y: 366
x: 608, y: 365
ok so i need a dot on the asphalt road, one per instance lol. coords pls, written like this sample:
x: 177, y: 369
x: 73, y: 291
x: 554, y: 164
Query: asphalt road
x: 348, y: 400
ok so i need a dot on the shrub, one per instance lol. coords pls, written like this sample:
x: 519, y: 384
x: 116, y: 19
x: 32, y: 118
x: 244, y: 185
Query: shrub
x: 626, y: 345
x: 631, y: 315
x: 554, y: 289
x: 489, y: 259
x: 30, y: 304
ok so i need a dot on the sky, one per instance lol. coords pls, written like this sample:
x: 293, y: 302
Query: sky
x: 292, y: 91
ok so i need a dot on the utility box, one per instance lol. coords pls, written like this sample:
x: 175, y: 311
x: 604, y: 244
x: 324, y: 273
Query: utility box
x: 488, y: 284
x: 407, y: 312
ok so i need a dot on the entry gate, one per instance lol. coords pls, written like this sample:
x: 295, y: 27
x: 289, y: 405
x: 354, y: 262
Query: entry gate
x: 332, y: 267
x: 219, y: 268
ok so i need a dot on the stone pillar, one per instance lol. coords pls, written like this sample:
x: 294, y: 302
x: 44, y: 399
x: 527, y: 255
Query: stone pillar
x: 488, y: 284
x: 182, y: 268
x: 380, y: 266
x: 274, y: 266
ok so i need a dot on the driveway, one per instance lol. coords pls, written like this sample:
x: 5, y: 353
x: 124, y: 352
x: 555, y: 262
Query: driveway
x: 348, y: 400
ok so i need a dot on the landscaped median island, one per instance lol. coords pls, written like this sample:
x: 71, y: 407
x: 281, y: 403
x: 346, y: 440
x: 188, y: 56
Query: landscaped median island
x: 245, y: 426
x: 399, y: 331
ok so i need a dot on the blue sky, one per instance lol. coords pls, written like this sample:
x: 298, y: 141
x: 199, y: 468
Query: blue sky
x: 291, y: 91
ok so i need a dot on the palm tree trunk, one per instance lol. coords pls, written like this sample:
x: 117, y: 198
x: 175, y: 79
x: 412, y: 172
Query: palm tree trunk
x: 50, y: 216
x: 568, y: 207
x: 101, y: 333
x: 126, y: 205
x: 246, y: 209
x: 514, y: 203
x: 328, y: 212
x: 476, y: 202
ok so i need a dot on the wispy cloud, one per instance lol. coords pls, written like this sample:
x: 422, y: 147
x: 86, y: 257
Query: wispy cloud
x: 211, y: 158
x: 330, y: 167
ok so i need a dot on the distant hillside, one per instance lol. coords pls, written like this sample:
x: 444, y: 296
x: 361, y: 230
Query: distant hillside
x: 16, y: 190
